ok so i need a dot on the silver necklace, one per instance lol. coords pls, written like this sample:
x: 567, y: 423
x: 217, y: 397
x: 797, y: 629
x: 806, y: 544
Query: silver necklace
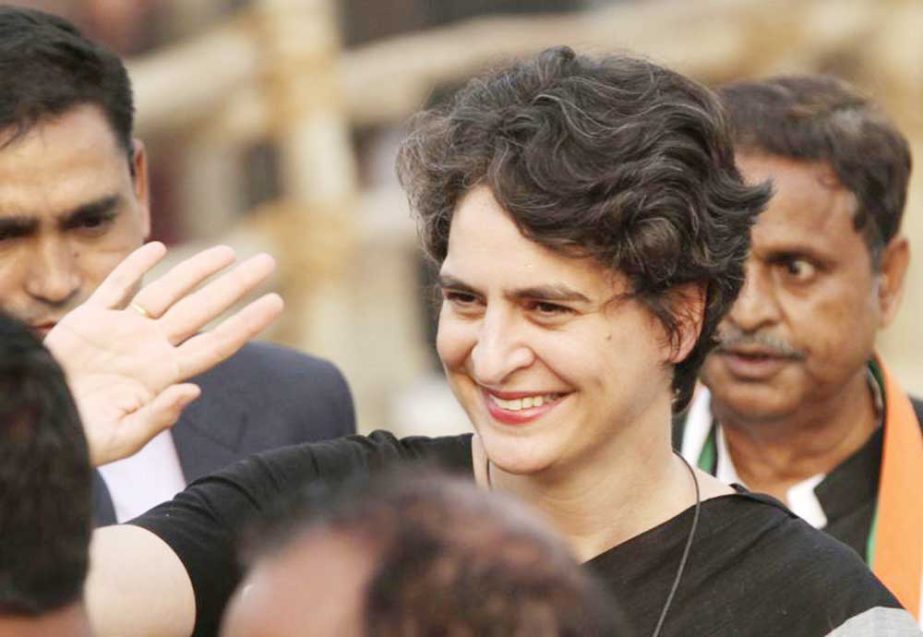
x: 686, y: 550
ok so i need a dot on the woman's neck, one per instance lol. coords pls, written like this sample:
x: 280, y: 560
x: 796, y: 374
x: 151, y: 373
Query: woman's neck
x: 598, y: 502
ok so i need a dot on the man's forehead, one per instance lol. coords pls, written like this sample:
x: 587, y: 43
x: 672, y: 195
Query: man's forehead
x: 61, y: 164
x: 78, y: 120
x: 812, y: 217
x: 809, y: 205
x: 13, y: 211
x: 758, y: 165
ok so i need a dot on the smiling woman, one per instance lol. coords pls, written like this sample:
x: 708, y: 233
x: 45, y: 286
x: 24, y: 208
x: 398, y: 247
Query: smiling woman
x: 591, y: 229
x: 522, y: 323
x: 649, y: 191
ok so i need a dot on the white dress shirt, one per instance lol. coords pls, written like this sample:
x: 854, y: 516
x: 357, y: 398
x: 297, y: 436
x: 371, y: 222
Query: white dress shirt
x: 139, y: 482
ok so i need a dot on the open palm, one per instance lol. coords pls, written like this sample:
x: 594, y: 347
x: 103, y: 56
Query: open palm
x: 126, y: 354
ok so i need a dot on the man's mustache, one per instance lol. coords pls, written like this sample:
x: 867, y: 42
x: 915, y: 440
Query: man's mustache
x: 732, y: 338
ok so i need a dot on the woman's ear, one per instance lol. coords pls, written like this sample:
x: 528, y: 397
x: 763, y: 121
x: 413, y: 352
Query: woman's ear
x: 687, y: 303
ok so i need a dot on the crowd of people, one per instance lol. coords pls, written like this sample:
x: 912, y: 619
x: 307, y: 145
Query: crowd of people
x: 659, y: 310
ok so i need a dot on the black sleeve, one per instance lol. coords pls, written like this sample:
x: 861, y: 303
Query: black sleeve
x: 201, y: 524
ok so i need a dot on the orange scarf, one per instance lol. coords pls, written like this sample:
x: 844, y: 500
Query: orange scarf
x: 898, y: 528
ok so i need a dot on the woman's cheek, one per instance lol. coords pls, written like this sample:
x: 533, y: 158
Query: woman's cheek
x: 454, y: 339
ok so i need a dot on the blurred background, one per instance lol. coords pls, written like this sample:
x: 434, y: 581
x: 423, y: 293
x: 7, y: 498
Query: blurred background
x: 273, y: 125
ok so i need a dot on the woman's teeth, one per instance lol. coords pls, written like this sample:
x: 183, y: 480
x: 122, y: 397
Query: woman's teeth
x: 527, y: 402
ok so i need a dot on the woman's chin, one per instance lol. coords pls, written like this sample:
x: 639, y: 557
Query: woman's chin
x: 517, y: 457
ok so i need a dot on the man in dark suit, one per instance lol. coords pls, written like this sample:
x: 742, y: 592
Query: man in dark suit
x: 798, y: 404
x: 73, y: 203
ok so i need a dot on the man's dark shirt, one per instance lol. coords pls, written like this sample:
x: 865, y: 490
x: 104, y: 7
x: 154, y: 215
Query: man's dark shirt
x: 849, y: 493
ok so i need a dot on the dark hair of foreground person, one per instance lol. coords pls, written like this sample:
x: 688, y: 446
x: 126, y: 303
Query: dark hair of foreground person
x: 44, y: 481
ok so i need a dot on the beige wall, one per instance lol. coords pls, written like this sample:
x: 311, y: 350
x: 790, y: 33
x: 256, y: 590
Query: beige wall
x: 345, y: 246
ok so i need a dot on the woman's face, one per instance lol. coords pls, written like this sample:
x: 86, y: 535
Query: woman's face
x: 546, y: 359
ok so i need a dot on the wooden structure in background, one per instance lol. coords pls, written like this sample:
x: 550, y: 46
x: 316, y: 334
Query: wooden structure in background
x: 277, y: 73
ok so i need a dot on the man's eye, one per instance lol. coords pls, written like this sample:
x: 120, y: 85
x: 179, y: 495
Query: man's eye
x: 93, y: 222
x: 10, y: 234
x: 91, y: 226
x: 799, y: 269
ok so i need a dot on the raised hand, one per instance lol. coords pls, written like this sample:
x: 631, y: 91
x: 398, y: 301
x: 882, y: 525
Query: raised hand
x: 127, y: 351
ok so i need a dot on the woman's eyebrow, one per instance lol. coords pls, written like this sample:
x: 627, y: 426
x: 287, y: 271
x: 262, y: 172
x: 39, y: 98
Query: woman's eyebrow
x: 451, y: 282
x: 554, y: 292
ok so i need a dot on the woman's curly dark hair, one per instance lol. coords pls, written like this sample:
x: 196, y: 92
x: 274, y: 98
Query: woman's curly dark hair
x: 614, y: 158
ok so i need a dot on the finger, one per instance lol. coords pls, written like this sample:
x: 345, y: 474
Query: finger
x: 139, y: 428
x: 117, y: 288
x: 158, y: 296
x: 206, y: 350
x: 190, y: 314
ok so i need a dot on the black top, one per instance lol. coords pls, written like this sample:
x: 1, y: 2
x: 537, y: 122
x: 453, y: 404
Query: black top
x: 755, y: 568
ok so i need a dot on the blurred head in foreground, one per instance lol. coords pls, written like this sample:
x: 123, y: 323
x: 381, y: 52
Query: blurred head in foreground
x: 416, y: 555
x: 44, y: 493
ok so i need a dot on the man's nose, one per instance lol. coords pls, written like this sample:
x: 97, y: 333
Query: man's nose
x: 500, y: 350
x: 757, y: 306
x: 53, y: 276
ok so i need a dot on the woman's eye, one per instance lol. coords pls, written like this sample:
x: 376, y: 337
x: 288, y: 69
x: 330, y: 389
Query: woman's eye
x: 459, y: 298
x: 549, y: 309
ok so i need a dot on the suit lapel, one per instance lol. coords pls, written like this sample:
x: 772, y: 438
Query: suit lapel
x: 209, y: 433
x: 103, y: 508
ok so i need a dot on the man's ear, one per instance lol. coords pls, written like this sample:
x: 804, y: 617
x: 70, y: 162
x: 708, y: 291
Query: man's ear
x: 140, y: 183
x: 894, y: 263
x: 688, y: 305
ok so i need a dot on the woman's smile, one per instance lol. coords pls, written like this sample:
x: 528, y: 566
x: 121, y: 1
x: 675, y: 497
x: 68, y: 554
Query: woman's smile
x: 520, y: 408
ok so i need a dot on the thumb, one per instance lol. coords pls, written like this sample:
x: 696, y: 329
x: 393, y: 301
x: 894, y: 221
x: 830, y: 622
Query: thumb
x: 138, y: 428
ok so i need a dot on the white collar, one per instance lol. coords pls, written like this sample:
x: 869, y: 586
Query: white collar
x: 800, y: 497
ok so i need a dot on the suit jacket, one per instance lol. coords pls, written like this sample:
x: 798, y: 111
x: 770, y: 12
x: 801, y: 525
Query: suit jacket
x: 263, y: 397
